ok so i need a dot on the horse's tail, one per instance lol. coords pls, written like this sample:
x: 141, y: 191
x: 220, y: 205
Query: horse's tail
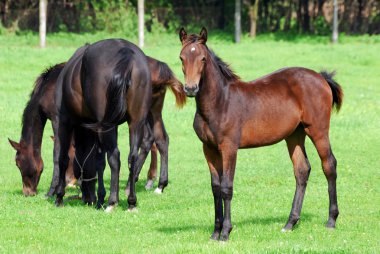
x: 116, y: 94
x: 48, y: 74
x: 168, y: 79
x: 336, y: 89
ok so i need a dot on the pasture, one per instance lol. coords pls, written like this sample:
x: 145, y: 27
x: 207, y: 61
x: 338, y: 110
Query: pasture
x: 181, y: 219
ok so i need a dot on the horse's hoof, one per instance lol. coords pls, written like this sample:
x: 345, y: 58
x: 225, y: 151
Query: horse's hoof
x: 99, y: 206
x: 110, y: 208
x: 224, y: 238
x: 58, y: 203
x: 215, y: 236
x: 50, y: 194
x: 288, y: 228
x: 158, y: 190
x: 330, y: 224
x: 149, y: 185
x: 132, y: 210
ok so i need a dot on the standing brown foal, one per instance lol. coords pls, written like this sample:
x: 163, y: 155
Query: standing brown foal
x: 231, y: 114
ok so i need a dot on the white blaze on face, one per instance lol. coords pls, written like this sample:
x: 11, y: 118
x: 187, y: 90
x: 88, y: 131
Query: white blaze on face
x: 192, y: 49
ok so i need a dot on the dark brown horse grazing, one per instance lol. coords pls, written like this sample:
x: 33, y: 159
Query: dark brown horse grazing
x: 231, y: 114
x: 39, y: 108
x: 103, y: 85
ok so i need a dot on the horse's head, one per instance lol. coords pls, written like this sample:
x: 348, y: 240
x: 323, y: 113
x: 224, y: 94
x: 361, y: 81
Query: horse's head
x: 31, y: 166
x: 193, y: 56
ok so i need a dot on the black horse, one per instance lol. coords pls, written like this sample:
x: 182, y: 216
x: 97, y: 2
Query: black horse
x: 103, y: 85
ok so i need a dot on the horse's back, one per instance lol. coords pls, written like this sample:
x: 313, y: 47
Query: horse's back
x: 279, y: 102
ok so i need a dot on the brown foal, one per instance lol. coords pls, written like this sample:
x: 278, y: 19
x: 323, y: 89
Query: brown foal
x: 231, y: 114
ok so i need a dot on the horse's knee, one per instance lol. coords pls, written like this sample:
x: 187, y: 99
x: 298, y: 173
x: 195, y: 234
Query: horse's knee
x: 329, y: 167
x: 114, y: 159
x: 226, y: 190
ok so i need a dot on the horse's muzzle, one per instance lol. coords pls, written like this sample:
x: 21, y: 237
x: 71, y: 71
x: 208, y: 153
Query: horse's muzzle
x: 191, y: 91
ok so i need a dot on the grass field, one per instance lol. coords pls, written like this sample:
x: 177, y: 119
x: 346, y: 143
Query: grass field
x: 181, y: 220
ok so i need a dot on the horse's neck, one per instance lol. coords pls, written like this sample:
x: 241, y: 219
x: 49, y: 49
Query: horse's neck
x: 214, y: 92
x: 33, y: 127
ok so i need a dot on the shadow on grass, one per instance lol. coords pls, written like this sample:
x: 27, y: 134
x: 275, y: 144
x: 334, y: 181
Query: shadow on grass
x: 73, y: 197
x: 248, y: 221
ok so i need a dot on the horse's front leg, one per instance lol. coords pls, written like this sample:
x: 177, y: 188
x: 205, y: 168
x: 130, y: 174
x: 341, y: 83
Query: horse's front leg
x: 63, y: 144
x: 55, y: 177
x: 229, y: 154
x: 214, y: 161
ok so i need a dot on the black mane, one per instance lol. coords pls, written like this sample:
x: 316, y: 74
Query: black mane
x: 224, y: 67
x: 32, y: 107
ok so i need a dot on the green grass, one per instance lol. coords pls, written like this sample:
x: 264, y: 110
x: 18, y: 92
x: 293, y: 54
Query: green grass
x: 181, y: 220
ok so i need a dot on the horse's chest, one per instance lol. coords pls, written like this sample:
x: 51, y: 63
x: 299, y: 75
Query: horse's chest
x: 204, y: 130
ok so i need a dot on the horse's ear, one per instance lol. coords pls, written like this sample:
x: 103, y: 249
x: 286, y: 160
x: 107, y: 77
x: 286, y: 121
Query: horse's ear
x: 203, y: 35
x: 15, y: 145
x: 182, y: 35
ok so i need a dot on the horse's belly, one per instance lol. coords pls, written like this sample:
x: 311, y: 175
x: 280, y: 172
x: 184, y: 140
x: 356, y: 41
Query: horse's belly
x: 256, y: 134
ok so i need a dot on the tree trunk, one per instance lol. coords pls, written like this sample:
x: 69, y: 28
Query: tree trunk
x: 335, y: 23
x: 140, y: 10
x: 288, y: 18
x: 43, y: 17
x: 252, y: 13
x: 222, y: 19
x: 237, y: 20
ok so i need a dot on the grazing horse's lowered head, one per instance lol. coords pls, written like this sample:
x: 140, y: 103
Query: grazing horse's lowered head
x: 30, y: 164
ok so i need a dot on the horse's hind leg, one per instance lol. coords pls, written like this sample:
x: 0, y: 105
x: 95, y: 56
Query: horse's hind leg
x: 322, y: 144
x: 162, y: 141
x: 100, y: 166
x: 144, y: 151
x: 301, y: 165
x: 113, y: 157
x: 152, y: 172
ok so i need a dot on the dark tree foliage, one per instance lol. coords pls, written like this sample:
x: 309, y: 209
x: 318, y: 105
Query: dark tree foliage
x: 297, y: 16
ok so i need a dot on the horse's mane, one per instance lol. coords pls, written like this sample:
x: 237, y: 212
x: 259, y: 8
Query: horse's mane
x: 224, y: 68
x: 44, y: 76
x: 51, y: 72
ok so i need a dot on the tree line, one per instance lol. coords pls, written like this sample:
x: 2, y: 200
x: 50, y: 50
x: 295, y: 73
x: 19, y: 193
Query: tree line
x: 257, y: 16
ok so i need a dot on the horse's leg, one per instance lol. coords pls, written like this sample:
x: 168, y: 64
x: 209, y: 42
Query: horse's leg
x: 63, y: 145
x: 301, y: 165
x: 135, y: 138
x: 144, y: 151
x: 113, y: 157
x: 100, y: 166
x: 162, y: 141
x: 229, y: 154
x: 55, y: 177
x: 214, y: 162
x: 322, y: 144
x: 152, y: 172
